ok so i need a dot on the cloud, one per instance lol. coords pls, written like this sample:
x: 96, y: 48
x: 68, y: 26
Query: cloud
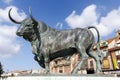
x: 8, y: 39
x: 7, y: 1
x: 106, y: 25
x: 8, y: 44
x: 111, y: 21
x: 87, y: 17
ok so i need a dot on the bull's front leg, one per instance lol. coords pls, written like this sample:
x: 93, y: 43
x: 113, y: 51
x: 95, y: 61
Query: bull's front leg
x: 40, y: 60
x: 47, y: 61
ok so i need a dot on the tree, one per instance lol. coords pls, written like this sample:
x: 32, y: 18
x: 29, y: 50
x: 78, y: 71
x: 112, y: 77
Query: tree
x: 1, y: 69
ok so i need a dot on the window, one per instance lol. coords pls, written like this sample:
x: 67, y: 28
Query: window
x: 117, y: 52
x: 118, y: 61
x: 91, y: 64
x: 105, y: 63
x: 60, y: 71
x: 119, y: 33
x: 56, y: 62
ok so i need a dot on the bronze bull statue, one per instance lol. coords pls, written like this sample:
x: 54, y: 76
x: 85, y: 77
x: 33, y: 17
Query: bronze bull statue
x: 48, y: 42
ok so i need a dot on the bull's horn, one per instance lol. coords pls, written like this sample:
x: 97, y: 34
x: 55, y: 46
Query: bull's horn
x: 31, y: 15
x: 12, y: 18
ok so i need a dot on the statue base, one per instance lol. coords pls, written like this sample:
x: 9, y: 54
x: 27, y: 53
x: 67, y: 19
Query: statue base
x: 65, y: 77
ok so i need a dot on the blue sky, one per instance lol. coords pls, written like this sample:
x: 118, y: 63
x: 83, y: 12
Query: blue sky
x: 15, y: 52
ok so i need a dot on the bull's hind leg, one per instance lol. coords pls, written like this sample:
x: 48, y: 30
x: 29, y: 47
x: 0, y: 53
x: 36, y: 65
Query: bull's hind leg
x: 84, y: 56
x: 97, y: 59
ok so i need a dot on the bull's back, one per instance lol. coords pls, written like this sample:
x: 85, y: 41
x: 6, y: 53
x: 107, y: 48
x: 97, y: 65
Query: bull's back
x: 68, y: 38
x: 84, y: 36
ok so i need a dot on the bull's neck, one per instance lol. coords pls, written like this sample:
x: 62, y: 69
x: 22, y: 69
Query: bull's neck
x: 35, y: 46
x: 44, y: 29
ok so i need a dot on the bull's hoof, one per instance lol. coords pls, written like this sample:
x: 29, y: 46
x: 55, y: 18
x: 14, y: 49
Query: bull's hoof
x: 74, y: 72
x: 99, y: 73
x: 46, y: 72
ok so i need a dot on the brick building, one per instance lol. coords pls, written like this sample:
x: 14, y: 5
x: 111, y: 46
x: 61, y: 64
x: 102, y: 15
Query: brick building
x: 111, y: 61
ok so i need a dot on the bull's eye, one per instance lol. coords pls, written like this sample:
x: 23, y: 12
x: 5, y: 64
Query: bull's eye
x: 32, y: 23
x: 28, y: 25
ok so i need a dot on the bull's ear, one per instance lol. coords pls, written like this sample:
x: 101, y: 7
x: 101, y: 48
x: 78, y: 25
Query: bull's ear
x: 31, y: 15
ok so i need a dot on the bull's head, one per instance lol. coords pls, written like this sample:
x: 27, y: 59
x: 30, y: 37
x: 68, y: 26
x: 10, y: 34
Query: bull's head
x: 27, y: 27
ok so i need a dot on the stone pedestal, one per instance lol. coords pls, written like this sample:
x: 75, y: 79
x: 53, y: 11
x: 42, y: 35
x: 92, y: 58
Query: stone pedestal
x: 64, y: 77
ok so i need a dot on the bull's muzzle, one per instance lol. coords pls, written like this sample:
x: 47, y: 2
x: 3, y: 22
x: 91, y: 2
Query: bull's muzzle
x: 19, y: 33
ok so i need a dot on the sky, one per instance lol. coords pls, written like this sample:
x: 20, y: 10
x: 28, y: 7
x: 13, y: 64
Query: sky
x: 15, y: 52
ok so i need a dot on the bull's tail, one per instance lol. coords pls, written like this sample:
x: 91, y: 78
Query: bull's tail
x: 98, y: 34
x: 98, y: 42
